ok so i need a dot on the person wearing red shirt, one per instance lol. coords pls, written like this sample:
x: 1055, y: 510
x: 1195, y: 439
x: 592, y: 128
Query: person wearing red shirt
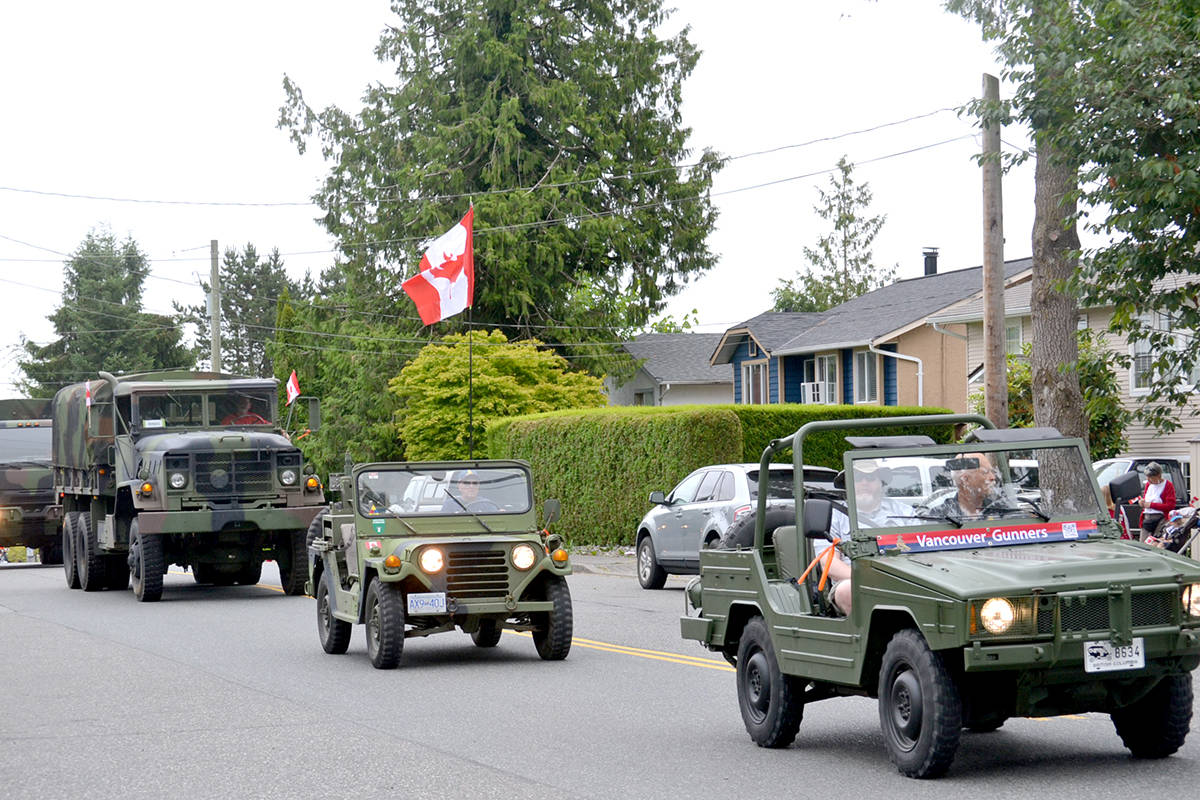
x: 1157, y: 500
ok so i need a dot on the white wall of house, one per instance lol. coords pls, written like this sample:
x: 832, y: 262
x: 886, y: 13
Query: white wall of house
x: 643, y: 390
x: 641, y: 385
x: 683, y: 394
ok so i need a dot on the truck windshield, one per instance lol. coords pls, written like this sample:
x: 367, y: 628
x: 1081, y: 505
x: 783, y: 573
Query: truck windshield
x: 168, y: 410
x: 407, y: 492
x: 240, y: 407
x: 989, y: 487
x: 24, y: 443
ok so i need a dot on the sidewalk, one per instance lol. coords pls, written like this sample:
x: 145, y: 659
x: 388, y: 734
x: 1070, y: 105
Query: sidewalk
x: 618, y: 561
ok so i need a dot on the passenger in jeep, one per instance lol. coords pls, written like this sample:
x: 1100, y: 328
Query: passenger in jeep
x: 977, y: 484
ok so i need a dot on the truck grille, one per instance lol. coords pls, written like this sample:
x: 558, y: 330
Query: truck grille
x: 242, y: 473
x: 477, y: 574
x: 1147, y: 609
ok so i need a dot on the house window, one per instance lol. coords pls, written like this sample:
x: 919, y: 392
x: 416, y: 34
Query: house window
x: 1141, y: 371
x: 1012, y: 337
x: 644, y: 398
x: 866, y: 377
x: 820, y: 380
x: 754, y: 382
x: 751, y: 348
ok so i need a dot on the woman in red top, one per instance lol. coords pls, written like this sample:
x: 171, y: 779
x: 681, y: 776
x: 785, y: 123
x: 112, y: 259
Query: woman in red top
x: 1157, y: 500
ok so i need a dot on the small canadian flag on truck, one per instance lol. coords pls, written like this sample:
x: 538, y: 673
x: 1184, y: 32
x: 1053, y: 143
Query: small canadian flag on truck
x: 292, y: 388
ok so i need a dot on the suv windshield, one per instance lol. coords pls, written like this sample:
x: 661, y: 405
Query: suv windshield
x: 487, y: 490
x: 989, y: 486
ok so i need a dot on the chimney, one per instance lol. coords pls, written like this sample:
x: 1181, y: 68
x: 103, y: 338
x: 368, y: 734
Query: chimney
x: 930, y: 260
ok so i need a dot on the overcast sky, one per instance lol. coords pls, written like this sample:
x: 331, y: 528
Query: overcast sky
x: 154, y: 101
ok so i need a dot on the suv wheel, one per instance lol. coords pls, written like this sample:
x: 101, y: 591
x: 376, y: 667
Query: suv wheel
x: 919, y: 707
x: 333, y: 632
x: 553, y: 629
x: 385, y: 624
x: 1156, y: 725
x: 650, y: 574
x: 771, y: 703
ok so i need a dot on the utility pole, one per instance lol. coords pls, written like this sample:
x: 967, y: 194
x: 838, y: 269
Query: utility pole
x: 214, y: 313
x: 995, y: 391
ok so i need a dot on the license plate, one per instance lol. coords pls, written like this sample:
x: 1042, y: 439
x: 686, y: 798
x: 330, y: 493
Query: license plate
x: 1109, y: 656
x: 427, y: 603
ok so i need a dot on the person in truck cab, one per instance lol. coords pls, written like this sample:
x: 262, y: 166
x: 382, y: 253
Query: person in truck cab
x: 242, y: 413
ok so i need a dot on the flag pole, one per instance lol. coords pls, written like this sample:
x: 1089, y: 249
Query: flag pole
x: 470, y: 389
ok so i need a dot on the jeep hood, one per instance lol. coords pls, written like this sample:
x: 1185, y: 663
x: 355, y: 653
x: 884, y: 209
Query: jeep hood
x: 1053, y: 567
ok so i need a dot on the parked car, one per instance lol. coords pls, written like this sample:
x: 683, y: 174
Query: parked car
x: 701, y: 508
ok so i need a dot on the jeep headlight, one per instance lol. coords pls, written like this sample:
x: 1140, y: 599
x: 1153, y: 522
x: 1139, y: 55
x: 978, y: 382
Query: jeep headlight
x: 287, y: 477
x: 431, y: 560
x: 997, y: 615
x: 523, y: 556
x: 177, y: 480
x: 1191, y: 600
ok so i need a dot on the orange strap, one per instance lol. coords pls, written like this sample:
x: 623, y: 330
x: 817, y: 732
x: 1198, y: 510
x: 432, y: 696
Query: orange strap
x: 827, y: 557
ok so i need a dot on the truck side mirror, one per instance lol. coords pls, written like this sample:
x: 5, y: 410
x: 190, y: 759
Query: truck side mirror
x: 658, y: 498
x: 551, y: 512
x: 818, y: 514
x: 1125, y: 487
x: 314, y: 414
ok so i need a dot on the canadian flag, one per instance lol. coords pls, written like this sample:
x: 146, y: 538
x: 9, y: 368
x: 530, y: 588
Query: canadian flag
x: 446, y: 283
x: 292, y: 388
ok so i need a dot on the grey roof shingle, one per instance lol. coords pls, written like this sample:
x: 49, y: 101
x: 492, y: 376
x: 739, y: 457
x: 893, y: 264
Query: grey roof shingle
x: 679, y: 357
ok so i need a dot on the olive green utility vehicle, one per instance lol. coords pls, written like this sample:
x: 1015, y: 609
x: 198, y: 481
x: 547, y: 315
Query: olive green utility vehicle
x: 29, y: 511
x: 413, y: 549
x: 179, y: 468
x: 975, y: 600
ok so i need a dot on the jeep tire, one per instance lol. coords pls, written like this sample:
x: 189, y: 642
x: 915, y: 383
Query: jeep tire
x: 771, y: 703
x: 650, y: 574
x: 334, y: 633
x: 385, y: 624
x: 1156, y: 725
x: 919, y: 707
x: 552, y: 629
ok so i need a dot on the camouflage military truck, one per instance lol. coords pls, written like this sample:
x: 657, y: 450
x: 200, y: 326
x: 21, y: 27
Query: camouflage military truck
x: 970, y: 602
x: 179, y: 468
x: 413, y: 549
x: 29, y: 512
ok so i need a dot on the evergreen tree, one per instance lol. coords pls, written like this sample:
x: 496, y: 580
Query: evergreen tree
x: 100, y: 323
x: 841, y: 266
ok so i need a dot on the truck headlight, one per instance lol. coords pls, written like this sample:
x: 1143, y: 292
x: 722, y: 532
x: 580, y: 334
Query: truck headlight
x: 287, y: 477
x: 523, y: 556
x: 1191, y: 600
x: 431, y: 560
x: 997, y: 615
x: 177, y: 480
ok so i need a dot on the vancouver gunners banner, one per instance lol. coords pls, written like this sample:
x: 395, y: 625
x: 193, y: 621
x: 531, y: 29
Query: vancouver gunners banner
x: 445, y: 286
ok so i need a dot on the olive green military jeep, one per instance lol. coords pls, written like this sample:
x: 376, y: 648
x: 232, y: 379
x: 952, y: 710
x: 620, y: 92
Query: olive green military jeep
x: 412, y: 549
x: 981, y: 597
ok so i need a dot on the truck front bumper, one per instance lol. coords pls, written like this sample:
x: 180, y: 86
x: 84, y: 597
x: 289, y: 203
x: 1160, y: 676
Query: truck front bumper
x: 267, y: 519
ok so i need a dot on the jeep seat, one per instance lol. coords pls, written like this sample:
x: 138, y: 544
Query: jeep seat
x: 787, y: 551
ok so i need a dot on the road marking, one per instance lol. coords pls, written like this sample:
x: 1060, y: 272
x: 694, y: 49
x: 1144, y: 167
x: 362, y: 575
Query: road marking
x: 656, y: 655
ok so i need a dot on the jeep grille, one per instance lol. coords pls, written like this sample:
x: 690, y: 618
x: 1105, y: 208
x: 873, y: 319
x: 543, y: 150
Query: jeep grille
x: 1147, y: 609
x: 244, y: 472
x: 476, y: 574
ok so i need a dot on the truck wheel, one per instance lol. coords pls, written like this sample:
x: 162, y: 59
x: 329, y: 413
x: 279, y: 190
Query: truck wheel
x: 1156, y: 725
x: 385, y: 624
x: 52, y: 554
x: 919, y: 707
x: 249, y: 575
x: 487, y: 634
x: 146, y: 564
x: 292, y: 558
x: 552, y: 629
x: 650, y: 574
x: 771, y: 703
x: 333, y: 632
x: 92, y: 574
x: 202, y: 573
x: 70, y: 567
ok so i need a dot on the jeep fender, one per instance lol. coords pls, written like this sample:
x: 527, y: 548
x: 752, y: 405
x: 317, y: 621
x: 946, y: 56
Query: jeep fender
x: 735, y: 623
x: 884, y: 624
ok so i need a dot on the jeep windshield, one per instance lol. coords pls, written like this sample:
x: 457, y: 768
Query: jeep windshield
x: 455, y: 492
x: 989, y: 499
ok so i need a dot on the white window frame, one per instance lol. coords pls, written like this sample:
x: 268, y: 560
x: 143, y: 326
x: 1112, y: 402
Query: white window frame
x: 764, y: 381
x: 751, y: 347
x: 866, y: 377
x: 820, y: 380
x: 1010, y: 325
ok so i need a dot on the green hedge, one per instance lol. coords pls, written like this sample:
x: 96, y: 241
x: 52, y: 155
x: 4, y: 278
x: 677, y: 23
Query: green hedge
x: 603, y: 463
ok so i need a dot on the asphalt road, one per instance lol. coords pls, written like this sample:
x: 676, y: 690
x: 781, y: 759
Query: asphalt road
x: 226, y: 693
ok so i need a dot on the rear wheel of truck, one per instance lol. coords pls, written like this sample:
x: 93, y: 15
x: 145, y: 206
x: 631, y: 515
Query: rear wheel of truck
x: 919, y: 707
x: 1156, y: 725
x: 553, y: 629
x: 292, y: 558
x: 70, y: 568
x: 385, y: 624
x: 52, y: 553
x: 334, y: 633
x: 249, y: 574
x: 487, y: 634
x: 146, y: 564
x: 93, y: 572
x: 771, y: 703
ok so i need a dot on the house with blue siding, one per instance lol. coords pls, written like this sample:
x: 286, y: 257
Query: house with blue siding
x: 877, y: 349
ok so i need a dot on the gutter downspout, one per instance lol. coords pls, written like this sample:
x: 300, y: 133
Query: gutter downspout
x: 920, y: 368
x: 937, y: 326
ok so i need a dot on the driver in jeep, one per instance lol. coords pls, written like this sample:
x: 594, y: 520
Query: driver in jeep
x: 977, y: 484
x: 464, y: 495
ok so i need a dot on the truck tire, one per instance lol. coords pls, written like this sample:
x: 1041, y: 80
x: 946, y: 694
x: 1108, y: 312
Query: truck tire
x: 334, y: 633
x: 249, y: 574
x: 70, y: 566
x: 292, y: 558
x: 552, y: 629
x: 919, y: 707
x: 650, y: 574
x: 385, y: 624
x: 52, y: 554
x: 487, y: 634
x: 1156, y: 725
x: 93, y: 574
x: 771, y: 703
x: 146, y: 564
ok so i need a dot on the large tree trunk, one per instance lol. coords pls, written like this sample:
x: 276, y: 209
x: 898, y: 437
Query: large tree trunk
x: 1057, y: 398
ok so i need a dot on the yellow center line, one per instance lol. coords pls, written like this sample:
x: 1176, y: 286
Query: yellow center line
x: 656, y: 655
